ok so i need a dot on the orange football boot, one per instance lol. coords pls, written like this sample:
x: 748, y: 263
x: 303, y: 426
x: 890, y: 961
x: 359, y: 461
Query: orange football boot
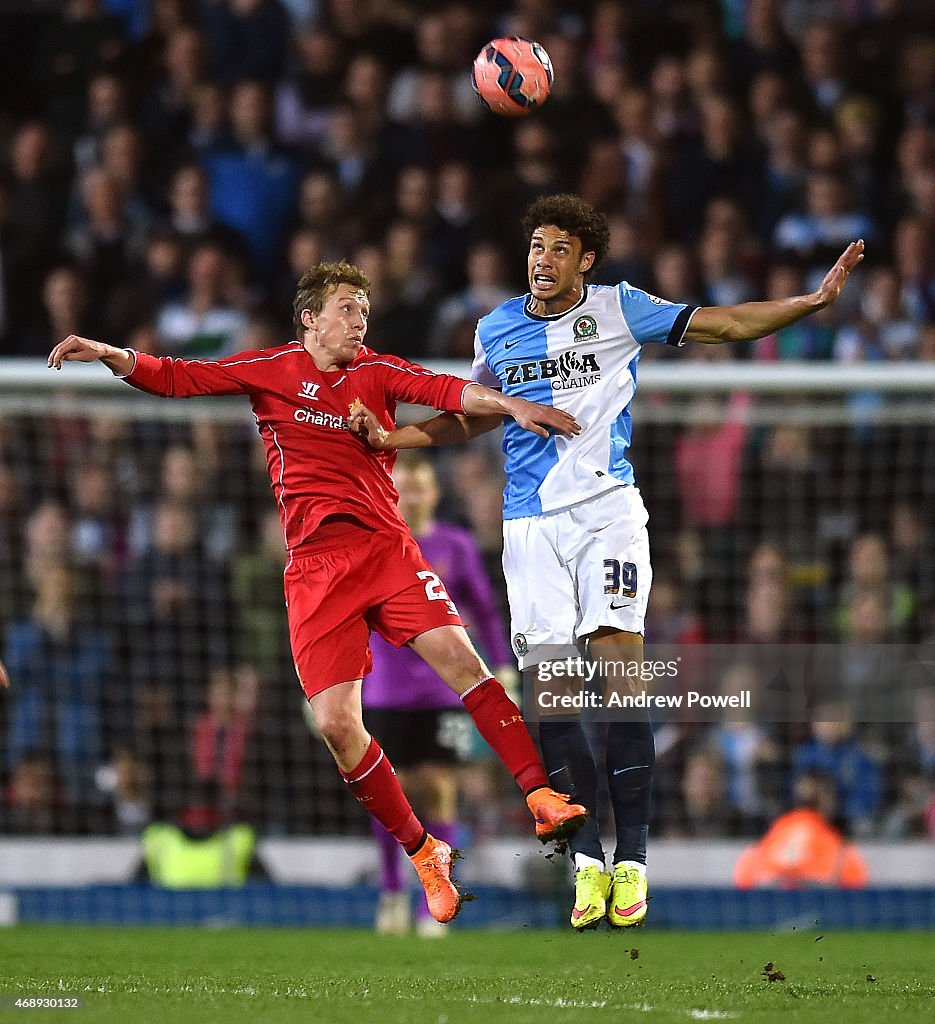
x: 433, y: 866
x: 556, y: 818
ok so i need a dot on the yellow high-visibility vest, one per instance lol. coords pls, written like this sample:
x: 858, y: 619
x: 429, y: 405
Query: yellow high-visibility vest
x: 177, y: 861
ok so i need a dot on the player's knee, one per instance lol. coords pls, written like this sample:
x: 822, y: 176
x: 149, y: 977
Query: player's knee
x: 461, y: 667
x: 471, y: 668
x: 339, y: 728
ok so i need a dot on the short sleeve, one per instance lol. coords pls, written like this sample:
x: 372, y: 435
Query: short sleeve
x: 480, y: 371
x: 652, y: 319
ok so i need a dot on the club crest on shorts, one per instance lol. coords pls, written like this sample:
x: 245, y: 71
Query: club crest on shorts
x: 585, y: 328
x: 520, y: 644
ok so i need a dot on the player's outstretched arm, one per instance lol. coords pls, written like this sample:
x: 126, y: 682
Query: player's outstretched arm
x: 713, y: 325
x: 539, y: 419
x: 448, y: 428
x: 484, y: 409
x: 158, y: 375
x: 4, y: 676
x: 84, y: 350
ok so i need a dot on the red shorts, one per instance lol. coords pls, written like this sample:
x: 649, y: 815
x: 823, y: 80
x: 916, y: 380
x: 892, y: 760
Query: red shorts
x: 340, y: 590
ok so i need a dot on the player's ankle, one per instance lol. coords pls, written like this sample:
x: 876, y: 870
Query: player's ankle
x: 582, y: 860
x: 631, y: 865
x: 414, y: 851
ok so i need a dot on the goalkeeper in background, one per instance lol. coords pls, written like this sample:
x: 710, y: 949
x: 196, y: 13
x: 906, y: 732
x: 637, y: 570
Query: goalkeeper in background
x: 418, y: 721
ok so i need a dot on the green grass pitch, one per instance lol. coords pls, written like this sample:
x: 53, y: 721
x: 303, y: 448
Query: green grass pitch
x: 187, y: 976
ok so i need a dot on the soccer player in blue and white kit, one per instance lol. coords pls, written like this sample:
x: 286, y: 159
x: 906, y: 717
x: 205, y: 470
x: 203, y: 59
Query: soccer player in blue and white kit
x: 576, y: 550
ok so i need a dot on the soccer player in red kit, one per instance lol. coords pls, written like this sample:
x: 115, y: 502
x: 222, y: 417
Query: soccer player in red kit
x: 353, y: 565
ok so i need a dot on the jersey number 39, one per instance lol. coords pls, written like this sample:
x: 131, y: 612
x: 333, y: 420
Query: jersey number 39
x: 619, y: 577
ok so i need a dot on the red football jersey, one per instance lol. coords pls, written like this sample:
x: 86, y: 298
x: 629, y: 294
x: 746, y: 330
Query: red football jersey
x: 317, y: 467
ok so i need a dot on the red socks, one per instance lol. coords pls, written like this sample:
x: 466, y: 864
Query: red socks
x: 499, y: 721
x: 376, y: 786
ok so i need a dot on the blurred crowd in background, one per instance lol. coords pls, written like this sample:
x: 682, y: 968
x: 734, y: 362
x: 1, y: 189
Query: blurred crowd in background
x: 169, y: 169
x: 145, y: 632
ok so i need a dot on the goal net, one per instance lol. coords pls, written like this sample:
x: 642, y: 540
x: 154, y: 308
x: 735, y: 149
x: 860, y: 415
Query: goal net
x: 142, y: 617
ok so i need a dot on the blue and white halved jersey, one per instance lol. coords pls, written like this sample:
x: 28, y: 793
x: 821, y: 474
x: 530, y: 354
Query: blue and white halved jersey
x: 583, y: 361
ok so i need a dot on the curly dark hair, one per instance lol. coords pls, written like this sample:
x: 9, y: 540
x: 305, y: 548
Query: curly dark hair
x: 572, y: 214
x: 319, y: 282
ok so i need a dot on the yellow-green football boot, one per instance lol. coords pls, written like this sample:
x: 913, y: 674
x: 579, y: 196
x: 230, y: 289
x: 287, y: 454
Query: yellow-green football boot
x: 592, y: 887
x: 627, y: 905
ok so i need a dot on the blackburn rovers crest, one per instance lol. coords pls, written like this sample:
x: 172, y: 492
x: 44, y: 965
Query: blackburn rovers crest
x: 586, y: 328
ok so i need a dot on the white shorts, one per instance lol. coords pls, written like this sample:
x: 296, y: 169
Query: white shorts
x: 572, y: 571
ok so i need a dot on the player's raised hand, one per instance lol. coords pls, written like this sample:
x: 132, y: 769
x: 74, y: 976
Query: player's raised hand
x: 75, y: 349
x: 363, y: 422
x: 543, y: 420
x: 4, y: 676
x: 84, y: 350
x: 837, y: 276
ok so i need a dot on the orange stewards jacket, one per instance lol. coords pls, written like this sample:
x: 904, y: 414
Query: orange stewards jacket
x: 801, y: 849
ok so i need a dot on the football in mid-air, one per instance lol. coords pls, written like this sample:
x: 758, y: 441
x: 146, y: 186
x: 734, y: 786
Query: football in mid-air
x: 512, y: 76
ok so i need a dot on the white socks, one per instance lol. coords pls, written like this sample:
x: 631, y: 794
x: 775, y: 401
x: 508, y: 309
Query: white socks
x: 582, y: 860
x: 632, y: 864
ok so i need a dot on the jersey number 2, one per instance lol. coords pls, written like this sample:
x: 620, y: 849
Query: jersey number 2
x: 435, y: 589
